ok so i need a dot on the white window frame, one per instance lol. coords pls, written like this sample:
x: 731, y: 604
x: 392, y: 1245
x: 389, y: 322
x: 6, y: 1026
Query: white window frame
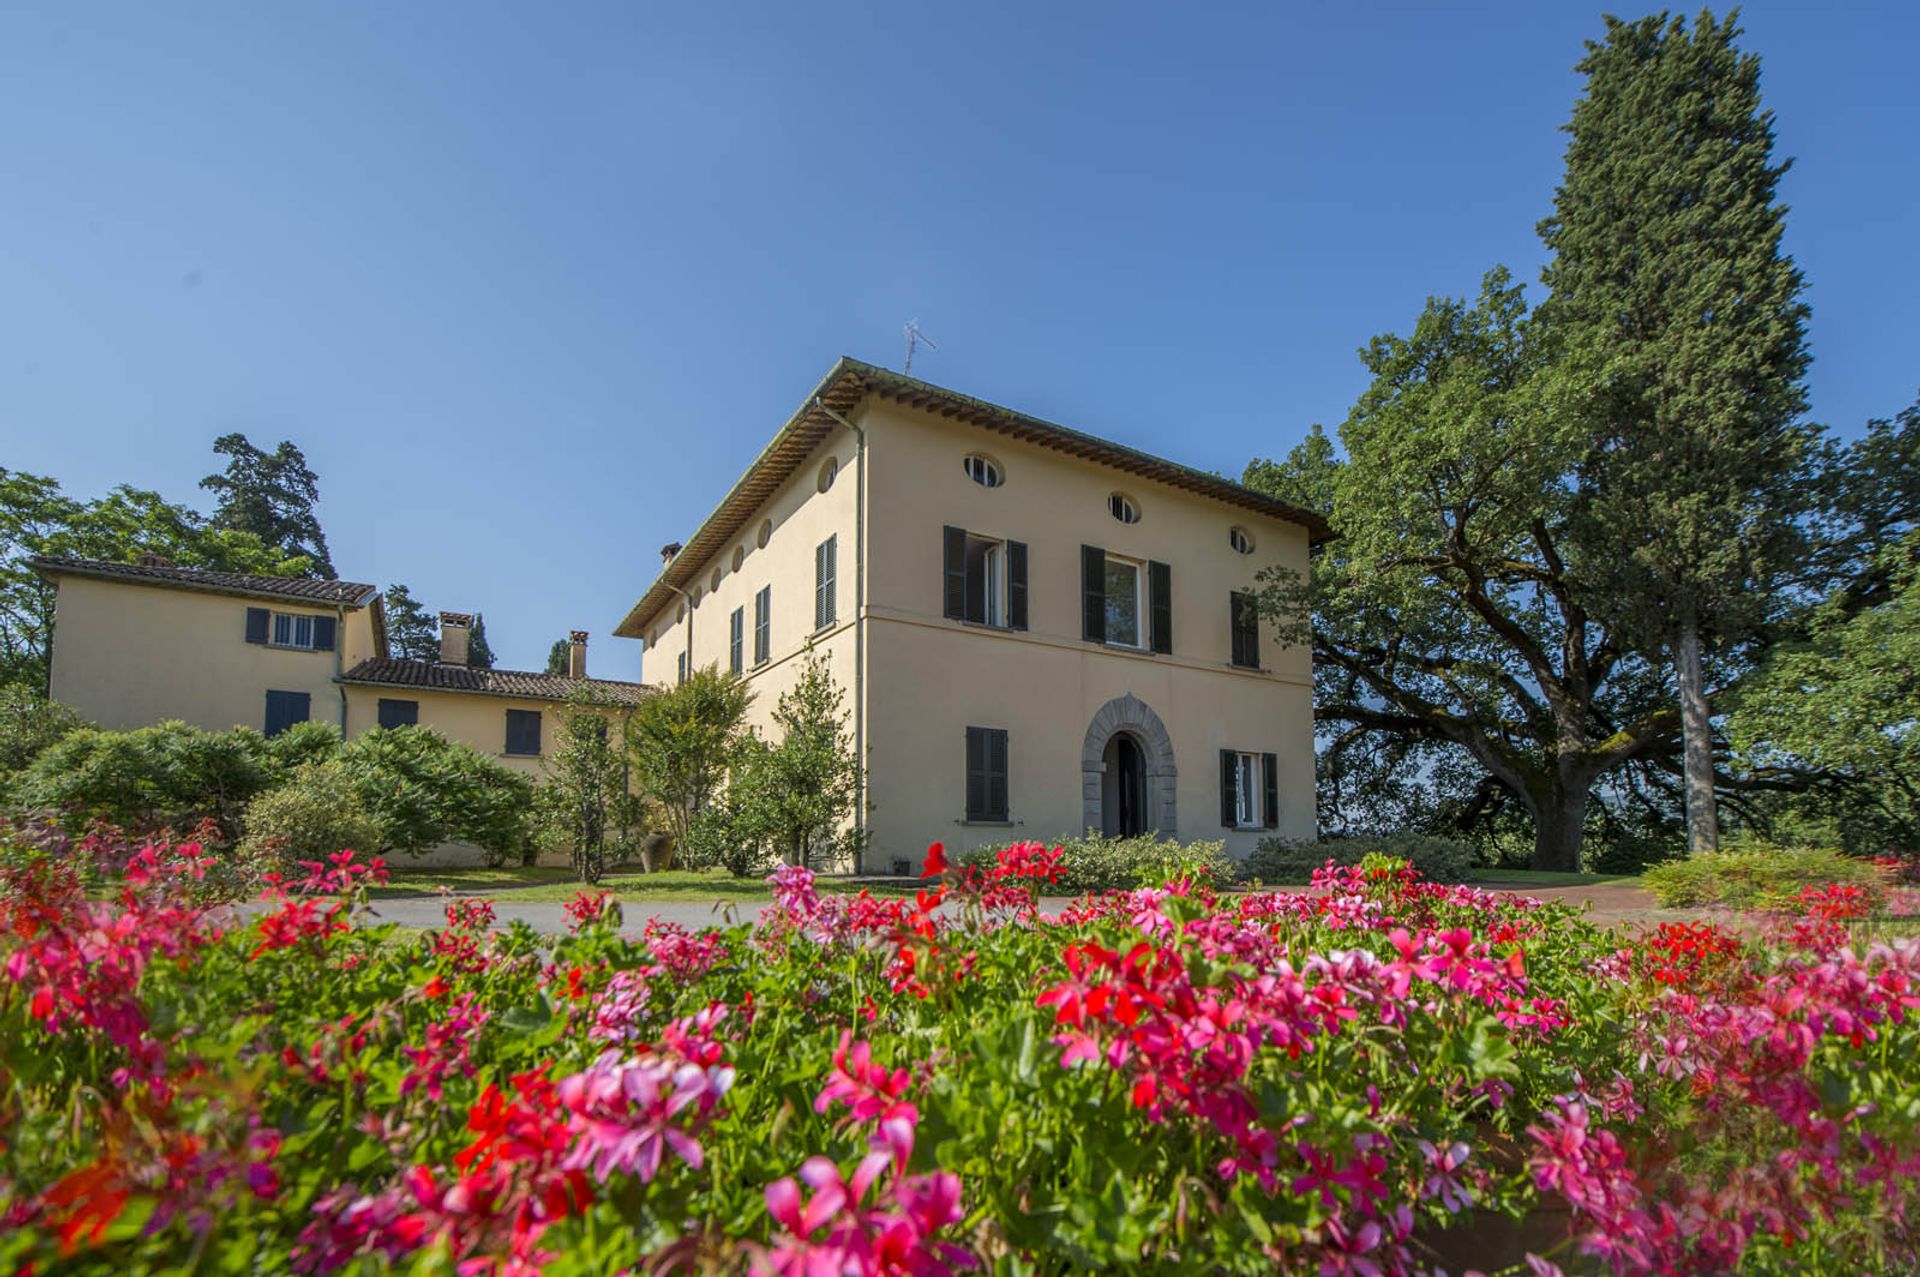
x: 1248, y: 789
x: 1139, y: 569
x: 292, y: 625
x: 984, y: 470
x: 993, y: 589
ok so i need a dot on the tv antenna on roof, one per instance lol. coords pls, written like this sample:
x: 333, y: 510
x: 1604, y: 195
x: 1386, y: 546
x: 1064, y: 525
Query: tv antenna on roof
x: 915, y: 338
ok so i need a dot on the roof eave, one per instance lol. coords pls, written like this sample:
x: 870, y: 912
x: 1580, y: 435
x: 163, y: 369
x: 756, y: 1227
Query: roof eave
x: 51, y: 570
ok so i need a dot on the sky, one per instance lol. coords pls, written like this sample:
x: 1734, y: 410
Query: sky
x: 531, y: 284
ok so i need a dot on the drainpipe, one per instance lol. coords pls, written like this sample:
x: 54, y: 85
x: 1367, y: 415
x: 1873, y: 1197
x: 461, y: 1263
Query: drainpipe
x: 859, y: 623
x: 340, y: 662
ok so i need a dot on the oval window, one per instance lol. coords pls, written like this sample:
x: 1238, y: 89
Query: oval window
x: 984, y: 471
x: 739, y: 556
x: 1241, y: 540
x: 680, y: 614
x: 1122, y: 508
x: 713, y: 582
x: 766, y: 533
x: 829, y: 471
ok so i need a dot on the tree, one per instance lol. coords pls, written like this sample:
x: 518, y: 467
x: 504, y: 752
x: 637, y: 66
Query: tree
x: 1451, y: 636
x: 479, y: 655
x: 29, y: 724
x: 559, y: 657
x: 1685, y: 350
x: 412, y: 631
x: 425, y: 789
x: 36, y: 518
x: 682, y: 740
x: 799, y: 793
x: 271, y: 495
x: 585, y: 786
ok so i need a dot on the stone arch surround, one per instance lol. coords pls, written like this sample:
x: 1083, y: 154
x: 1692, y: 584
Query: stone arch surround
x: 1134, y: 716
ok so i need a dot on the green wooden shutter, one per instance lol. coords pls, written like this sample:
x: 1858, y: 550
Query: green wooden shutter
x: 1270, y: 774
x: 954, y: 571
x: 976, y: 773
x: 1016, y: 585
x: 1160, y: 607
x: 1229, y: 789
x: 323, y: 633
x: 257, y: 619
x: 997, y: 775
x: 1093, y: 594
x: 824, y: 572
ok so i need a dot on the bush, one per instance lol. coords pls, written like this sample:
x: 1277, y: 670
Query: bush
x: 1290, y: 860
x: 168, y: 775
x: 1756, y: 876
x: 29, y: 724
x: 315, y: 814
x: 1094, y: 863
x: 425, y: 789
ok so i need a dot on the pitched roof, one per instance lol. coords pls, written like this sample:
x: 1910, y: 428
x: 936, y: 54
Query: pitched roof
x: 849, y: 382
x: 292, y: 589
x: 521, y: 684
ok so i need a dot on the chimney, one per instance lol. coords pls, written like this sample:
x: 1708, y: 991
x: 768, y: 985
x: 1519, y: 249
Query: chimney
x: 455, y: 627
x: 577, y: 653
x: 151, y: 560
x: 667, y: 552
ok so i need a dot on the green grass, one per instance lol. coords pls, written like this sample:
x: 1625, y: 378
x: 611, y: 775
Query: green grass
x: 544, y: 885
x: 1547, y: 877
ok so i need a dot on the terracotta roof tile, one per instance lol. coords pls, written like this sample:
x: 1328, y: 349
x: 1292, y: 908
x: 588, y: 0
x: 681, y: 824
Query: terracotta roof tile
x: 295, y: 589
x: 524, y: 684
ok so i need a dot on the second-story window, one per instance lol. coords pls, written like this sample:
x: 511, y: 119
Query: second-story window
x: 1244, y: 619
x: 984, y: 579
x: 825, y: 573
x: 736, y: 639
x: 1126, y: 602
x: 523, y: 731
x: 680, y: 667
x: 763, y: 625
x: 302, y: 632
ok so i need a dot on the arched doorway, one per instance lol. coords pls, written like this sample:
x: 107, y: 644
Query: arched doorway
x: 1123, y: 789
x: 1127, y: 766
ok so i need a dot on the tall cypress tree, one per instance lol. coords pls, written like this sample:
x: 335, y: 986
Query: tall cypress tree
x: 271, y: 495
x: 479, y: 651
x: 412, y: 631
x: 1684, y: 331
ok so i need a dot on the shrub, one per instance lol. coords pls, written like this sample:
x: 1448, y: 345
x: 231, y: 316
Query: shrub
x: 1290, y: 860
x: 167, y: 775
x: 29, y: 724
x: 425, y: 789
x: 1756, y: 876
x: 1094, y: 863
x: 316, y: 813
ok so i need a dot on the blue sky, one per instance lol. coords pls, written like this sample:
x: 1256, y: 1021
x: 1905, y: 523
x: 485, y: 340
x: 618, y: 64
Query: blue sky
x: 532, y: 283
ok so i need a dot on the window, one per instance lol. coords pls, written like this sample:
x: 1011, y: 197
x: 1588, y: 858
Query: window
x: 284, y: 709
x: 739, y: 556
x: 986, y: 774
x: 1122, y: 508
x: 399, y: 713
x: 824, y: 572
x: 763, y: 625
x: 1244, y: 618
x: 713, y: 582
x: 523, y: 729
x: 985, y: 579
x: 1241, y: 540
x: 829, y: 471
x: 736, y: 639
x: 286, y: 629
x: 984, y: 471
x: 680, y: 667
x: 765, y: 534
x: 1249, y: 790
x: 1127, y: 603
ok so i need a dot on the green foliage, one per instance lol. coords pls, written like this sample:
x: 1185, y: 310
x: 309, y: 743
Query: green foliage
x: 270, y: 495
x: 582, y: 803
x: 425, y: 789
x: 681, y: 742
x: 316, y: 813
x: 1755, y: 876
x: 168, y: 775
x: 36, y: 518
x: 310, y: 742
x: 412, y: 631
x: 1286, y: 860
x: 1094, y: 863
x: 479, y: 651
x: 29, y: 724
x: 559, y: 656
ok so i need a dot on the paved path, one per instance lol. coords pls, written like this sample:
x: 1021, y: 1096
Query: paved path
x: 1610, y: 904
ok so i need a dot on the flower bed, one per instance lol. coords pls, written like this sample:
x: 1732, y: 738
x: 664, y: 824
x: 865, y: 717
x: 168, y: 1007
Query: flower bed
x: 1385, y: 1076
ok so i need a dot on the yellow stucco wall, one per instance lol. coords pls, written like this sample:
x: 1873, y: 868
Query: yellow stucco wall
x: 128, y: 655
x: 929, y: 678
x: 476, y: 720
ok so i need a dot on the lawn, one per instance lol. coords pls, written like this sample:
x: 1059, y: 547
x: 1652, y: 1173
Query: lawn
x: 1504, y: 877
x: 535, y: 885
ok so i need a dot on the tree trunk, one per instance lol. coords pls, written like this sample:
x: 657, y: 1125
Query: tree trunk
x: 1696, y: 737
x: 1559, y: 825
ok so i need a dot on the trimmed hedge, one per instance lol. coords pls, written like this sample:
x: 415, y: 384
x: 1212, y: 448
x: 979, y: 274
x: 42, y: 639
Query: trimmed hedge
x: 1756, y: 876
x: 1287, y: 860
x: 1094, y: 863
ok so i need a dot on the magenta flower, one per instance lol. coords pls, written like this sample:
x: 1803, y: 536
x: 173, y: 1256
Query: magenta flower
x: 626, y: 1114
